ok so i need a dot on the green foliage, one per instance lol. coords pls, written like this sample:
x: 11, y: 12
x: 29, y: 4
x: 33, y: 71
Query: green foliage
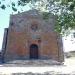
x: 0, y: 2
x: 19, y: 3
x: 64, y: 23
x: 64, y: 2
x: 46, y: 15
x: 14, y: 9
x: 13, y: 4
x: 72, y: 6
x: 66, y: 18
x: 3, y: 7
x: 25, y: 1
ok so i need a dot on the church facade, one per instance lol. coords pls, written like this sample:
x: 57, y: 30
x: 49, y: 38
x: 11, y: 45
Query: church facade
x: 29, y: 36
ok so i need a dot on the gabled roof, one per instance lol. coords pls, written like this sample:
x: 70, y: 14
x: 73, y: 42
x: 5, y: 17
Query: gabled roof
x: 32, y: 12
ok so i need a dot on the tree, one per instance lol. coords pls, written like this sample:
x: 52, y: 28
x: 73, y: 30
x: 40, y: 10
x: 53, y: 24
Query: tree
x: 63, y: 9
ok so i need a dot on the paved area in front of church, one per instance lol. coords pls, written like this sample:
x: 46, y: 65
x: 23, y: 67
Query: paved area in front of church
x: 20, y: 68
x: 22, y: 63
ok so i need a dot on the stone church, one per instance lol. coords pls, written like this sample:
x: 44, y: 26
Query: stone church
x: 29, y: 36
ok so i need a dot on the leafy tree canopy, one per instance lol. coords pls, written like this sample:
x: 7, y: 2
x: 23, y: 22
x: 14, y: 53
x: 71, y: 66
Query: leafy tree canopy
x: 63, y: 9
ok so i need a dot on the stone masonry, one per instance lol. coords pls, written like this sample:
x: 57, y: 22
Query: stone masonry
x: 29, y: 32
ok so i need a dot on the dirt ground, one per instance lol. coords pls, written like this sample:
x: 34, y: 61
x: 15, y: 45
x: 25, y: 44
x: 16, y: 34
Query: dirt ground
x: 20, y: 69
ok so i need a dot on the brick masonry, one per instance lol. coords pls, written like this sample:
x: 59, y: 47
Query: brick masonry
x: 21, y: 36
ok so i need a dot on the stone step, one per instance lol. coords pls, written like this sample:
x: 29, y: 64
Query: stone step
x: 34, y: 62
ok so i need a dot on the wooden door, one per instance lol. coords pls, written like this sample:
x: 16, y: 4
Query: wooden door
x: 33, y: 51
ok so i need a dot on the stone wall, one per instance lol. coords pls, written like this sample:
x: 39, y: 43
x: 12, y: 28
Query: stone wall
x: 21, y: 36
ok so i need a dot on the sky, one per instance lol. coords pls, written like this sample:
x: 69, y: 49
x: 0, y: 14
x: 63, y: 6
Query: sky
x: 4, y: 23
x: 68, y: 44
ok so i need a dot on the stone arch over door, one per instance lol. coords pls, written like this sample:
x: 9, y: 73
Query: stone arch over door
x: 33, y: 51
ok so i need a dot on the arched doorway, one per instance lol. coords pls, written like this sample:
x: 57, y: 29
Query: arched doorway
x: 33, y: 51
